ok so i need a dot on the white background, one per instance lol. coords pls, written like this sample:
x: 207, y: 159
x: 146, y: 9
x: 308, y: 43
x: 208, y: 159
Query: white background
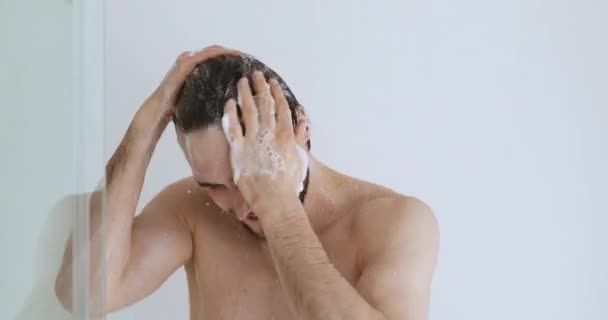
x: 493, y: 112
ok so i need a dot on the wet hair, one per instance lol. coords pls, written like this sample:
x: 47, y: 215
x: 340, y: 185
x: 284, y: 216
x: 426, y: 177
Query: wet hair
x: 201, y: 101
x: 205, y: 92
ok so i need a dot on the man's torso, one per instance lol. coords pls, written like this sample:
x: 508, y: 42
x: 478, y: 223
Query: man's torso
x: 231, y: 274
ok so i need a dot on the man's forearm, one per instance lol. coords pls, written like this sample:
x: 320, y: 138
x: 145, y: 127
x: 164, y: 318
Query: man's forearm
x: 315, y: 287
x: 124, y: 179
x: 125, y: 173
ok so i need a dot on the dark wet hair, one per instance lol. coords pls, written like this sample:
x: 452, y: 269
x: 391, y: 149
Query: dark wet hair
x: 205, y: 92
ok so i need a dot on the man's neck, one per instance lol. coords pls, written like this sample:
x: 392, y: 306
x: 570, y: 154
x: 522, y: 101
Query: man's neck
x: 322, y: 199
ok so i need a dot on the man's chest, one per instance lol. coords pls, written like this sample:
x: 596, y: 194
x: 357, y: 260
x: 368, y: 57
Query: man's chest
x: 233, y: 279
x: 236, y: 285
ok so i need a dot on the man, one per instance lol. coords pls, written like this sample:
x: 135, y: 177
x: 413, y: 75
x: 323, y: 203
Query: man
x: 264, y: 230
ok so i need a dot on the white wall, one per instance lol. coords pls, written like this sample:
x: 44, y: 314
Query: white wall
x: 494, y: 112
x: 37, y: 154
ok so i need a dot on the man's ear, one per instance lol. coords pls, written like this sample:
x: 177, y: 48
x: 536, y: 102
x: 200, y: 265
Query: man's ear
x: 302, y: 129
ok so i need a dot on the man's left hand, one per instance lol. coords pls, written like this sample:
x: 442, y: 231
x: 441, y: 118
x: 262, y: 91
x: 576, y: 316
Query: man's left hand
x: 268, y: 160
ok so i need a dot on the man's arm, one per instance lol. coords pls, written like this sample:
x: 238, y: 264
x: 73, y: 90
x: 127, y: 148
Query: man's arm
x: 266, y: 164
x: 138, y: 253
x: 131, y: 250
x: 399, y: 260
x: 314, y: 286
x: 399, y: 257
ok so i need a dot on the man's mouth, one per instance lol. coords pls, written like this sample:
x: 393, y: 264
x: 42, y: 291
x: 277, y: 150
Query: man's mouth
x: 252, y: 216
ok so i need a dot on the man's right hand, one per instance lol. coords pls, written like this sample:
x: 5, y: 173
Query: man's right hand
x: 165, y: 96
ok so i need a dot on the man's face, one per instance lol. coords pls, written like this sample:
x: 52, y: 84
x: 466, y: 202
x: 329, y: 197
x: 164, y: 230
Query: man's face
x: 208, y: 153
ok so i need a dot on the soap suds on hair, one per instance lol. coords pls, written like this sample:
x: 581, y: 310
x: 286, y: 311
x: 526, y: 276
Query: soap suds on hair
x: 264, y: 160
x: 304, y: 158
x: 214, y: 81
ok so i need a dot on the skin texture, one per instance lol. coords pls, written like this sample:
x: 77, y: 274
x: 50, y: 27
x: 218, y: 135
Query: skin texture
x: 352, y: 250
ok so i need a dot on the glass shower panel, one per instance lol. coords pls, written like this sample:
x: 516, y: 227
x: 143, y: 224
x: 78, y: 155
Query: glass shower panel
x: 49, y: 159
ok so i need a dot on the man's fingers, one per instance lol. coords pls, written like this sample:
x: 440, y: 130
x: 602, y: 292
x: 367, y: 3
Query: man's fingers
x: 187, y: 61
x: 260, y: 86
x: 250, y: 112
x: 281, y: 106
x: 172, y: 75
x: 212, y: 52
x: 264, y: 100
x: 230, y: 123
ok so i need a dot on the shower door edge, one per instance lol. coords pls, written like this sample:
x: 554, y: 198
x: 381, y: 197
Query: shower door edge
x: 88, y: 50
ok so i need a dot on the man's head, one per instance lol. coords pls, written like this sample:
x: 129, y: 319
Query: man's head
x: 197, y: 119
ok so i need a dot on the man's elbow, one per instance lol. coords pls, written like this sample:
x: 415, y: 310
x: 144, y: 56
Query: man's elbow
x: 63, y: 291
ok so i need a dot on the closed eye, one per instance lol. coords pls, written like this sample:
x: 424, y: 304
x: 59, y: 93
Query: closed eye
x: 212, y: 186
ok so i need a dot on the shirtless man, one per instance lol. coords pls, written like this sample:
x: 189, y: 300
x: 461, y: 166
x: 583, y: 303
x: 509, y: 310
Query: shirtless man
x: 264, y: 230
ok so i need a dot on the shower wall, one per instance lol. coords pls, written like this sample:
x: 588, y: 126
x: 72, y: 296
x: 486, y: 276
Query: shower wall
x: 494, y: 112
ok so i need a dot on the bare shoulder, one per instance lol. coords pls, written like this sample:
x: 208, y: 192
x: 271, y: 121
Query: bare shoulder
x: 178, y: 199
x: 397, y: 239
x: 175, y: 194
x: 395, y: 221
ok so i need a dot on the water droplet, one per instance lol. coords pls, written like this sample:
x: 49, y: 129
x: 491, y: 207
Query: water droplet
x: 207, y: 204
x: 189, y: 191
x: 238, y: 235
